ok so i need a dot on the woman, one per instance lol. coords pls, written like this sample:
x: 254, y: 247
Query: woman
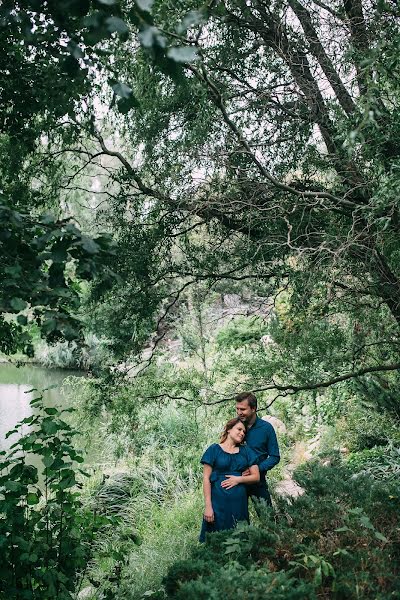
x: 225, y: 496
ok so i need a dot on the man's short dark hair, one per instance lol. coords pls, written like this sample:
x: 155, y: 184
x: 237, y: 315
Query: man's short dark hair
x: 251, y: 399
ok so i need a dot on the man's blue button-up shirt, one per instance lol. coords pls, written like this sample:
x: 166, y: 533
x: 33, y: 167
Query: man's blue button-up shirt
x: 261, y: 438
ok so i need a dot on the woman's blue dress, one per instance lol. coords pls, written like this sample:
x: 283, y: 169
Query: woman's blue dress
x: 230, y: 506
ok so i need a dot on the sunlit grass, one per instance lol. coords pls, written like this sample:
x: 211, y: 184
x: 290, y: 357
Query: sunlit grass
x: 167, y: 534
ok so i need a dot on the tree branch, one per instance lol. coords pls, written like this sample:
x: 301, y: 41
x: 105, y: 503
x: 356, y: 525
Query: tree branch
x: 288, y: 390
x: 318, y: 51
x: 218, y: 100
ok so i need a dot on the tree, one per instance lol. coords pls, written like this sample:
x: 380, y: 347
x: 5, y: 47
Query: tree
x: 52, y: 56
x: 275, y: 162
x: 44, y: 256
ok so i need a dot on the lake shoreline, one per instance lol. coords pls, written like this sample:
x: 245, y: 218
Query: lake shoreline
x: 16, y: 362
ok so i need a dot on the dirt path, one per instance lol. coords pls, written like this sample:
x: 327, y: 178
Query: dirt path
x: 302, y: 452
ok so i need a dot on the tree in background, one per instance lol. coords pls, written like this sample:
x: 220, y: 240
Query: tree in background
x: 272, y: 163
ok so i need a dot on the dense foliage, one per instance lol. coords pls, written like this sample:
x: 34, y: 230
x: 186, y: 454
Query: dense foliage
x: 270, y: 168
x: 340, y: 540
x: 45, y: 534
x: 199, y: 198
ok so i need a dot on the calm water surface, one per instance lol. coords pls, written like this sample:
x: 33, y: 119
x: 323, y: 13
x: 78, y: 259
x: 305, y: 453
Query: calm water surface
x: 15, y: 382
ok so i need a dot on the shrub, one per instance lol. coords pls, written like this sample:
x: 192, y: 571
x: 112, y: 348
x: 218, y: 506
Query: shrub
x: 366, y: 428
x: 45, y: 534
x: 316, y: 546
x: 241, y: 331
x: 378, y: 462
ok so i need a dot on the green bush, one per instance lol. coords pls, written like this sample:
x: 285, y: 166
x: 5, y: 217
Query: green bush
x: 241, y: 331
x: 316, y: 546
x: 366, y: 428
x: 379, y: 463
x: 45, y: 533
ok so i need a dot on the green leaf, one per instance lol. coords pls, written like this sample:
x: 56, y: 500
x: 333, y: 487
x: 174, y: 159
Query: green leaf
x: 48, y: 461
x: 51, y: 411
x: 144, y: 5
x: 13, y: 486
x: 380, y: 536
x: 49, y: 325
x: 356, y: 511
x: 124, y: 91
x: 67, y: 482
x: 18, y: 304
x: 182, y: 54
x: 50, y: 427
x: 116, y: 24
x: 32, y: 498
x: 342, y: 551
x: 79, y: 459
x: 365, y: 522
x: 344, y: 528
x: 22, y: 320
x: 108, y: 2
x: 318, y: 576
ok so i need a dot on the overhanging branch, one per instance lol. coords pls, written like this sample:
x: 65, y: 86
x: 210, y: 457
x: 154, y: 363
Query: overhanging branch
x: 288, y: 390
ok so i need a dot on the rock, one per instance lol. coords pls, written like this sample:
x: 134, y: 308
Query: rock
x: 276, y: 423
x: 289, y: 488
x: 87, y: 593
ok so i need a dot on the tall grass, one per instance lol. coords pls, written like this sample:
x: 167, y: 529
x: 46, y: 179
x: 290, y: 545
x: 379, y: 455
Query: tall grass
x: 168, y: 533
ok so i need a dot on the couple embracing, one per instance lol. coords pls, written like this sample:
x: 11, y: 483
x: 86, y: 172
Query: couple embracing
x: 236, y: 468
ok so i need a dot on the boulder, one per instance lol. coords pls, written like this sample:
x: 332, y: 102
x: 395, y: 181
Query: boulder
x: 276, y: 423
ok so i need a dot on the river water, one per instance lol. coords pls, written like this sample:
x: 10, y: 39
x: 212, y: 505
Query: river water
x: 15, y: 382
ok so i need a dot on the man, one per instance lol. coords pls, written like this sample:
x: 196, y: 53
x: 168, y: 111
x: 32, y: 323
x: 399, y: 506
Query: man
x: 261, y: 438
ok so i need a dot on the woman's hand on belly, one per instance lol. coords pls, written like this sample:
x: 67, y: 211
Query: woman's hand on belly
x: 231, y: 481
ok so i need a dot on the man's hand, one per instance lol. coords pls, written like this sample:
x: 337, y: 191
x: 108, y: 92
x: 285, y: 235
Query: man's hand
x: 230, y: 481
x: 209, y: 515
x: 246, y: 473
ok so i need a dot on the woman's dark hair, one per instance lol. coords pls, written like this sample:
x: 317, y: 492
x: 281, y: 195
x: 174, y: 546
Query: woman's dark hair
x: 231, y: 423
x: 251, y: 399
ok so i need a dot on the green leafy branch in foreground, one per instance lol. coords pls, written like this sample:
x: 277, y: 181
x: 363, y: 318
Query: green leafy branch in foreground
x: 45, y: 535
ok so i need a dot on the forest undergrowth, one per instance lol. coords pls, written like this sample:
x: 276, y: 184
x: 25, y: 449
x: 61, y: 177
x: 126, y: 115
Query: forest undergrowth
x: 339, y: 540
x: 136, y: 514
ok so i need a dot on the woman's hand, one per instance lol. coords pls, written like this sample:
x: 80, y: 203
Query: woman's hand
x: 209, y: 514
x: 231, y: 481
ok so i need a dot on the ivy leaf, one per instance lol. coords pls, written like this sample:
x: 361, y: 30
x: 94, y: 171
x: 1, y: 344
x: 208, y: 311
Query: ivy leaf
x: 182, y: 54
